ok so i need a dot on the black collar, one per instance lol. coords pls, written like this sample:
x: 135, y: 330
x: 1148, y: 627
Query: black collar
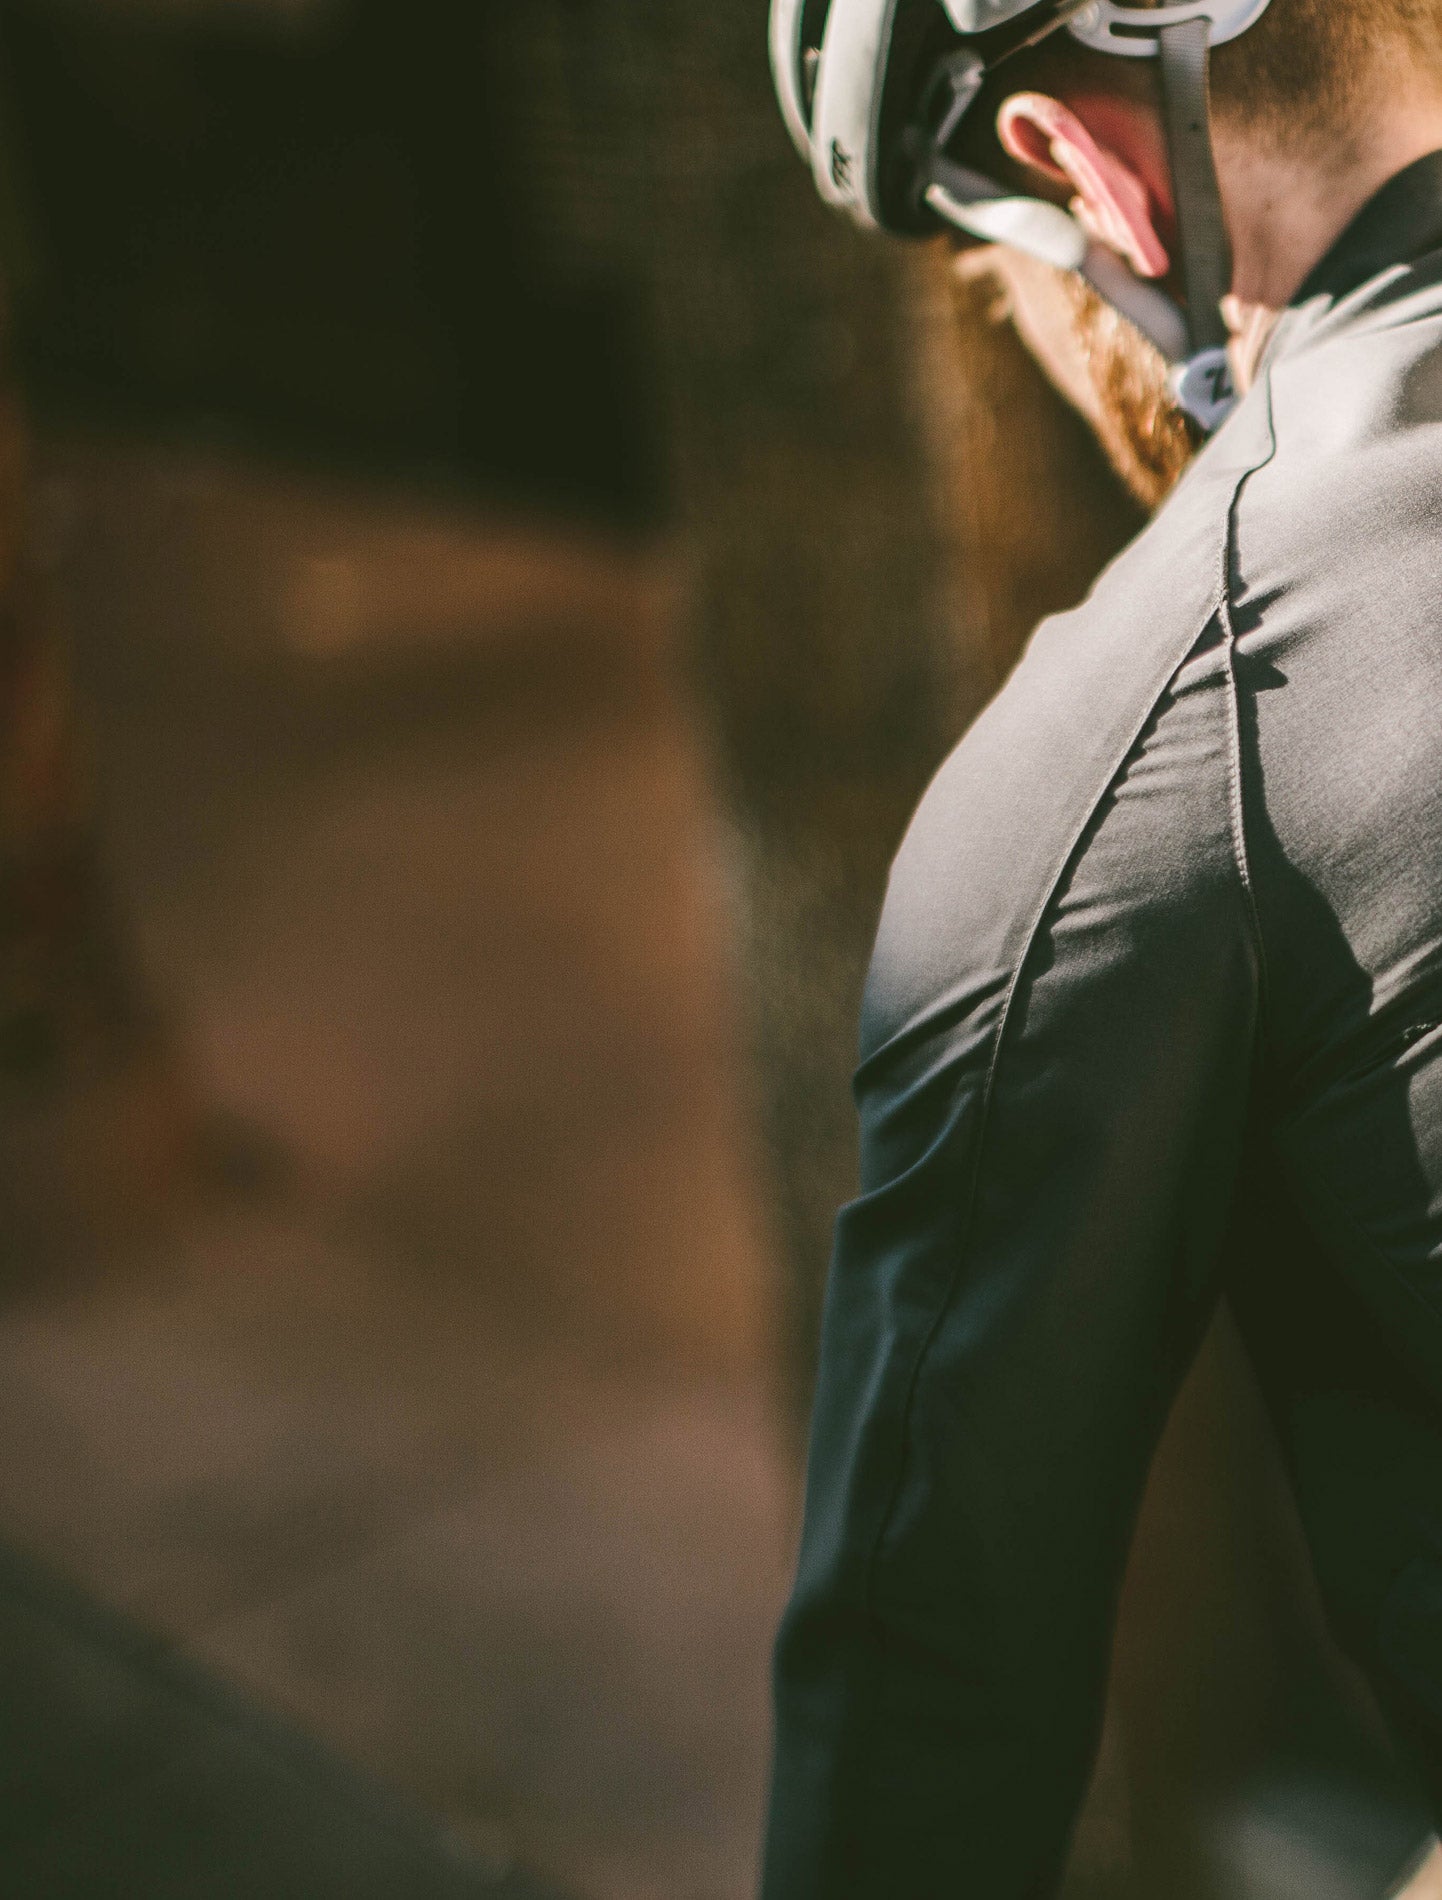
x: 1400, y: 224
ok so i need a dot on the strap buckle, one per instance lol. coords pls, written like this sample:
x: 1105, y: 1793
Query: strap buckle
x: 1202, y: 388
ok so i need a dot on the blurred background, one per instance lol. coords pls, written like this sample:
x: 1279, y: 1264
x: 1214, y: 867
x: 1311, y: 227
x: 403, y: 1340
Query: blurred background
x: 486, y: 568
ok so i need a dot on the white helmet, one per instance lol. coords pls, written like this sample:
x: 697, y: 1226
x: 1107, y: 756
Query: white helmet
x: 874, y: 93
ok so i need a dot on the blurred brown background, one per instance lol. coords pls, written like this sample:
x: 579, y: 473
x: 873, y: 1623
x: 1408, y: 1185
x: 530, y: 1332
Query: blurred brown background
x: 488, y: 568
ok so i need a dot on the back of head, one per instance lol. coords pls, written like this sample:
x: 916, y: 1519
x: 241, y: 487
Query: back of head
x: 1309, y: 68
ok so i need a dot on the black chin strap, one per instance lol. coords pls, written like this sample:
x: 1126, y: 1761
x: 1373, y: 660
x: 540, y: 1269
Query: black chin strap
x: 1196, y: 339
x: 1206, y: 255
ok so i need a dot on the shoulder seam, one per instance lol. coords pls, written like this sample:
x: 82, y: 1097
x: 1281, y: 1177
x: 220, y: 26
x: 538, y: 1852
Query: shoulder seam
x: 1241, y: 857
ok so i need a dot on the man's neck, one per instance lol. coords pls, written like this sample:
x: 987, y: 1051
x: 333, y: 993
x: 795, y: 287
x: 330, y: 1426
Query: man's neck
x: 1286, y: 209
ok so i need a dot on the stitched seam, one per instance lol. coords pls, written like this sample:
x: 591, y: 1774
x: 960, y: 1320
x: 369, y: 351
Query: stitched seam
x: 1237, y: 811
x: 1236, y: 791
x: 1321, y: 1081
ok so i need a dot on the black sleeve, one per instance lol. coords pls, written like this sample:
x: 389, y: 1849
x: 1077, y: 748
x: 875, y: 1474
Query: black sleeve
x: 1048, y: 1152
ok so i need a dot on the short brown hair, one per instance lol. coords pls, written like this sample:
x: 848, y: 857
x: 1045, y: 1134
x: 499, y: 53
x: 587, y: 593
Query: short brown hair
x: 1306, y: 72
x: 1307, y: 64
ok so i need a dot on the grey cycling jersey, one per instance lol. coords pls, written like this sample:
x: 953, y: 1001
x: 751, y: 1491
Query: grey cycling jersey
x: 1160, y: 969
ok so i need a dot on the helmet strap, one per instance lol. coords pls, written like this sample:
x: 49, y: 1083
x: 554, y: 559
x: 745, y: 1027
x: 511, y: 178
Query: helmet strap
x: 1203, y: 383
x: 1194, y: 340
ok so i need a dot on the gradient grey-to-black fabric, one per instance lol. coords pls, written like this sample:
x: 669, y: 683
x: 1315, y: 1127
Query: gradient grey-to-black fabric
x: 1161, y: 954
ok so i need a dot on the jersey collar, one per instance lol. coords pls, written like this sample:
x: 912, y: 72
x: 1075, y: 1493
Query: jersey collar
x: 1400, y: 223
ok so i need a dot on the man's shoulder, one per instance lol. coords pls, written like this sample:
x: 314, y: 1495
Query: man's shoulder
x: 1356, y: 423
x: 1003, y: 819
x: 1339, y: 534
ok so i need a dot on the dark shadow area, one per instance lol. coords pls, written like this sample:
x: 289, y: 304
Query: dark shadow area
x: 125, y: 1770
x: 308, y: 229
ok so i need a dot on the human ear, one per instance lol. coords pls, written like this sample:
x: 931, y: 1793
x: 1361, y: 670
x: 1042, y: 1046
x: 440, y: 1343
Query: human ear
x: 1111, y: 195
